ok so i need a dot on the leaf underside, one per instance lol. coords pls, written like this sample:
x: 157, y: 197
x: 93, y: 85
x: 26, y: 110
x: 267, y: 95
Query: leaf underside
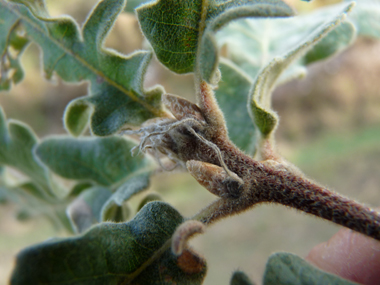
x: 254, y: 47
x: 232, y: 99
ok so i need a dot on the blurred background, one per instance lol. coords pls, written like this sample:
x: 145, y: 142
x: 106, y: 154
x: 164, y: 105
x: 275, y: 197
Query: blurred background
x: 330, y: 128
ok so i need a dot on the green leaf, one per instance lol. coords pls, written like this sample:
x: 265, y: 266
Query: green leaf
x: 189, y: 36
x: 116, y: 92
x: 112, y: 253
x: 85, y: 210
x: 10, y: 68
x: 336, y: 41
x: 77, y: 116
x: 118, y: 214
x: 103, y: 160
x: 286, y: 268
x: 232, y: 99
x: 17, y: 143
x: 79, y: 188
x: 366, y: 16
x: 240, y: 278
x: 253, y: 43
x: 131, y: 187
x: 260, y: 96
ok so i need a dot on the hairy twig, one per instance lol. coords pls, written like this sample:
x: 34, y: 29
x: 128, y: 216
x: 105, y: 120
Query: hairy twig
x: 199, y: 139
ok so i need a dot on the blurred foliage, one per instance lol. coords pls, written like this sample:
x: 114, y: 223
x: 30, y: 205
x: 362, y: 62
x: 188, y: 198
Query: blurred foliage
x: 295, y: 112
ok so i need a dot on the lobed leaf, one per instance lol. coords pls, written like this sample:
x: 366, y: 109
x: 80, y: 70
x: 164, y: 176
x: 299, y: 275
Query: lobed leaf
x: 286, y: 268
x: 105, y: 161
x: 180, y: 40
x: 17, y: 143
x: 113, y: 254
x: 116, y: 94
x: 12, y: 45
x: 232, y: 99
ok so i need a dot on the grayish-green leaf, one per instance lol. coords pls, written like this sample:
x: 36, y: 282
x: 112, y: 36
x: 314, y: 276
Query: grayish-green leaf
x: 17, y: 142
x: 336, y: 41
x: 116, y: 91
x: 129, y: 188
x: 253, y: 43
x: 240, y: 278
x: 289, y: 269
x: 260, y: 96
x: 10, y: 68
x: 31, y: 199
x: 103, y: 160
x: 85, y: 210
x: 110, y: 253
x: 232, y: 99
x: 178, y: 40
x: 365, y: 16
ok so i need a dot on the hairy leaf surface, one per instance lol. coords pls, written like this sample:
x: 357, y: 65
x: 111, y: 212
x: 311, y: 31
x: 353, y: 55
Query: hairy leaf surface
x: 182, y: 32
x: 103, y: 160
x: 287, y: 268
x: 112, y: 253
x: 116, y: 95
x: 366, y: 16
x: 253, y: 43
x: 259, y: 105
x: 232, y: 99
x: 253, y: 34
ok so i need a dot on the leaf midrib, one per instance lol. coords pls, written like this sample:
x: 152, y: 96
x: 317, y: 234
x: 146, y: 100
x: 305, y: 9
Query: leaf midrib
x: 97, y: 72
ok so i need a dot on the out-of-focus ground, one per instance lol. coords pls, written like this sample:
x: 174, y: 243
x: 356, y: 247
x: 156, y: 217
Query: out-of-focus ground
x: 330, y: 128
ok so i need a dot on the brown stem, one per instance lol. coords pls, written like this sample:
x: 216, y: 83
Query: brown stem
x: 271, y: 186
x: 296, y: 192
x: 266, y: 184
x: 271, y: 181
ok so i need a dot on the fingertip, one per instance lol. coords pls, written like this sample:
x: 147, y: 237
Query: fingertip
x: 350, y: 255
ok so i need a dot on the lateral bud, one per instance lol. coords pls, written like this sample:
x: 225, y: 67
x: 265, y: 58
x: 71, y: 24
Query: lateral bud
x: 182, y: 108
x: 183, y: 233
x: 215, y: 179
